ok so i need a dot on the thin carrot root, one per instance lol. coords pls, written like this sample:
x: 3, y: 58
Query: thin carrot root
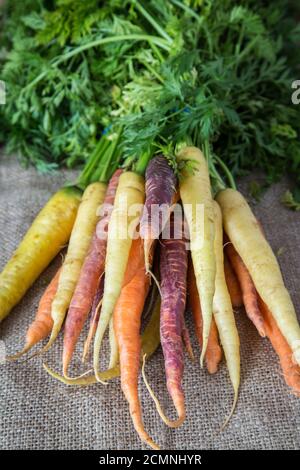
x: 15, y: 357
x: 148, y: 244
x: 228, y: 418
x: 248, y: 289
x: 179, y: 403
x: 291, y: 371
x: 149, y: 271
x: 75, y: 378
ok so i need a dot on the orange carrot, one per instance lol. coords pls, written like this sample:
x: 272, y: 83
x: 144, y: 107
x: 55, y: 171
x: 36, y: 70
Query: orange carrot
x: 248, y: 288
x: 232, y: 284
x: 41, y: 327
x: 127, y: 323
x: 291, y: 371
x: 214, y: 352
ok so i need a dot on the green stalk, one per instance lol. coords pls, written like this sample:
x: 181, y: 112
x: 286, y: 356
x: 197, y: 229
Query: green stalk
x: 142, y: 163
x: 195, y: 15
x: 217, y: 181
x: 106, y: 168
x: 152, y: 21
x: 157, y: 52
x: 85, y: 176
x: 246, y: 50
x: 226, y: 171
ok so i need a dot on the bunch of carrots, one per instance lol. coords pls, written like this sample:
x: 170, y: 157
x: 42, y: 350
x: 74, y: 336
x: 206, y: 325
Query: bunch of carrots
x: 123, y: 262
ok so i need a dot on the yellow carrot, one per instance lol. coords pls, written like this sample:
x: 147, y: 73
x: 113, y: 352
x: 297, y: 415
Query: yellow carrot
x: 82, y: 233
x: 49, y: 232
x: 223, y: 313
x: 247, y: 238
x: 195, y: 192
x: 124, y: 220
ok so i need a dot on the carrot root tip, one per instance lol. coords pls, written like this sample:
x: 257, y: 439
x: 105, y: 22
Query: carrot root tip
x: 167, y: 421
x: 77, y: 377
x: 15, y: 357
x: 97, y: 375
x: 227, y: 419
x: 148, y: 271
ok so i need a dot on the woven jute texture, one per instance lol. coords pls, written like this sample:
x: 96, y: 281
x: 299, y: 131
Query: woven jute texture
x: 39, y: 413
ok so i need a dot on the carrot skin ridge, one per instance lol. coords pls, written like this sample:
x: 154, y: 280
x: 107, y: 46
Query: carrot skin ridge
x: 160, y: 187
x: 249, y: 293
x: 92, y: 269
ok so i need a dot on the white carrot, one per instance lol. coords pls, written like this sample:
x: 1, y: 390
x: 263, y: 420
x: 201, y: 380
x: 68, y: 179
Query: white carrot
x: 124, y: 219
x: 247, y: 238
x: 195, y: 192
x: 223, y: 312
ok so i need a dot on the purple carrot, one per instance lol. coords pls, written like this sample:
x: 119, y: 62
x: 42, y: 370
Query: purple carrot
x: 160, y: 193
x: 173, y: 274
x: 95, y: 315
x: 91, y: 271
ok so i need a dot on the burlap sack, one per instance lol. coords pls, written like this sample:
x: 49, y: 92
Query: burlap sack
x: 39, y: 413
